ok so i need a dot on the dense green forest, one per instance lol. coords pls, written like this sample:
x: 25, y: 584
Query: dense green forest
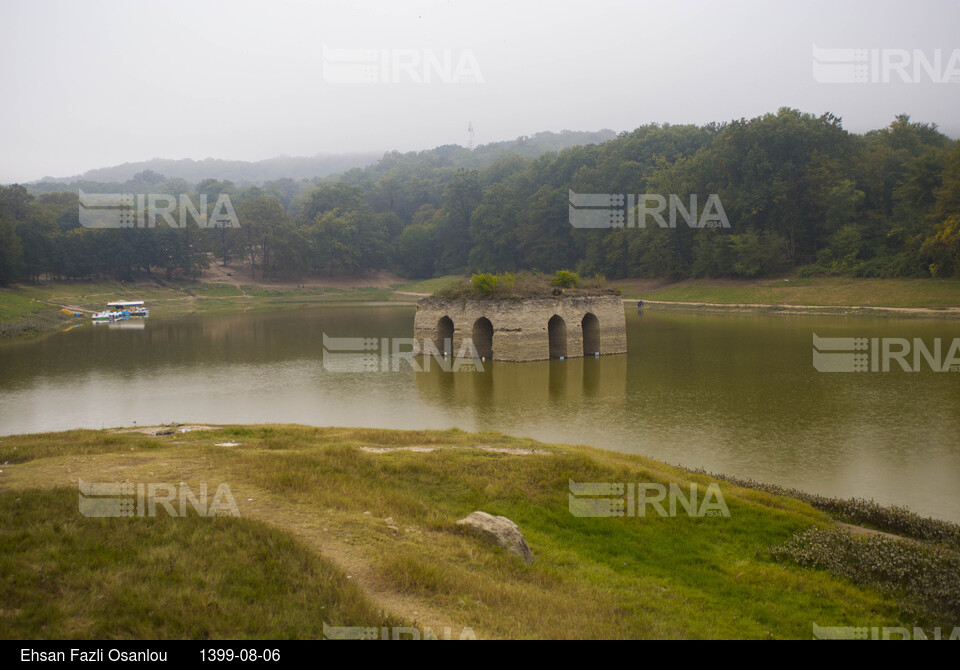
x: 801, y: 194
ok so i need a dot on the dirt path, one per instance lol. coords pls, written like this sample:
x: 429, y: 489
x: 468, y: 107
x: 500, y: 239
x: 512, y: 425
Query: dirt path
x: 337, y: 539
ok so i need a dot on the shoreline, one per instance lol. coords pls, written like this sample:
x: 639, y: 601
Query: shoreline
x: 799, y: 310
x: 32, y: 311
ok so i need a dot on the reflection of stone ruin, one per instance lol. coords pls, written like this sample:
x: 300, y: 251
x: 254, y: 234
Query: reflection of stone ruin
x: 529, y: 329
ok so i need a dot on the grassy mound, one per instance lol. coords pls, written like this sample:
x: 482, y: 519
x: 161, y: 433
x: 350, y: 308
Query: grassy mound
x: 380, y: 505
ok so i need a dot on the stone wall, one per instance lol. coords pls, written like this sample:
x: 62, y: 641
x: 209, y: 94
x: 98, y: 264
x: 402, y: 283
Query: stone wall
x: 521, y: 329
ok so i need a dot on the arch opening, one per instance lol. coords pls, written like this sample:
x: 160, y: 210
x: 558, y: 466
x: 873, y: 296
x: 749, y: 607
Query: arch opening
x: 444, y: 339
x: 483, y: 337
x: 591, y: 334
x: 557, y: 336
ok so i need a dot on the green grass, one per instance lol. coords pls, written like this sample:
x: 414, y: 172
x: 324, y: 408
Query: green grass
x: 319, y: 294
x: 264, y: 292
x: 13, y: 306
x: 651, y: 577
x: 64, y: 576
x: 917, y: 293
x: 430, y: 285
x: 95, y: 293
x: 23, y: 448
x: 17, y: 306
x: 216, y: 290
x: 21, y: 315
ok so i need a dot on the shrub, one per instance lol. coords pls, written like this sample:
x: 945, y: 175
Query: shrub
x: 565, y: 279
x: 922, y: 578
x: 483, y: 284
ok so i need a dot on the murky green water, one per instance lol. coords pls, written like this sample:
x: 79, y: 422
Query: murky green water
x: 734, y: 394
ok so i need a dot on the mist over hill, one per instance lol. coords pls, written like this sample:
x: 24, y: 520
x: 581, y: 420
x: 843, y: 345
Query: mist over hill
x: 256, y: 173
x: 239, y: 172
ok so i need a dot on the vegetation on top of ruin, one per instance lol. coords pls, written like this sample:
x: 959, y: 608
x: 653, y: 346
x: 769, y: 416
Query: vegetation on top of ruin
x: 509, y: 286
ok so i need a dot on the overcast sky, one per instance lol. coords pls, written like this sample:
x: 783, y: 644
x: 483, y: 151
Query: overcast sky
x: 90, y: 84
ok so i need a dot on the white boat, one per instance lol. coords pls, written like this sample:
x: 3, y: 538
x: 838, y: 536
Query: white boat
x: 120, y: 310
x: 130, y: 307
x: 109, y: 315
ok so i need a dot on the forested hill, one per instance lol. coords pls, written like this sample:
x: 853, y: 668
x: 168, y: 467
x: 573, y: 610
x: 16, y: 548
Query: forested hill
x: 801, y: 194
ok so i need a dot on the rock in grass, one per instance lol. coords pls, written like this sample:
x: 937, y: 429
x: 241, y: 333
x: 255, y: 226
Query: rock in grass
x: 502, y: 531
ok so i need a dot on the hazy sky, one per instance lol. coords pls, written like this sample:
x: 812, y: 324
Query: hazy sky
x: 89, y: 84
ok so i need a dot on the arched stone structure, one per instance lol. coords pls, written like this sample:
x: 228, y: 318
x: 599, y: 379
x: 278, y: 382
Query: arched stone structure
x: 519, y: 328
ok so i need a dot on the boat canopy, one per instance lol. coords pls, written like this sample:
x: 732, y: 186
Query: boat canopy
x: 125, y: 303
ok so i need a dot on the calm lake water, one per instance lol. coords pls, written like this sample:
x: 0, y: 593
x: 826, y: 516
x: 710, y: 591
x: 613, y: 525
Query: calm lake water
x: 730, y: 393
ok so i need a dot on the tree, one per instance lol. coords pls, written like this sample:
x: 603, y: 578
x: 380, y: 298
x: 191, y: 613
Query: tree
x: 942, y: 250
x: 15, y: 201
x: 260, y: 222
x: 544, y: 235
x: 493, y: 231
x: 415, y: 251
x: 460, y: 197
x: 334, y: 236
x: 10, y: 252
